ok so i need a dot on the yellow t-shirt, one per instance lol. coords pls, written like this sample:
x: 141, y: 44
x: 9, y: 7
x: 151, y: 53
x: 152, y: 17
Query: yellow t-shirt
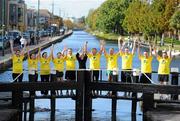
x: 70, y: 62
x: 146, y: 64
x: 164, y: 65
x: 32, y: 64
x: 17, y: 64
x: 126, y: 60
x: 45, y: 66
x: 59, y: 64
x: 112, y: 61
x: 94, y: 61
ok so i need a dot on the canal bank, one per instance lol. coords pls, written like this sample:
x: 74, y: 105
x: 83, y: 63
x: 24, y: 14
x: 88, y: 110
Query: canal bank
x: 6, y: 61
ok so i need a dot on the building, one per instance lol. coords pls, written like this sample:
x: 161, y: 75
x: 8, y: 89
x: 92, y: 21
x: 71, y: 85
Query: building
x: 31, y: 18
x: 14, y: 14
x: 44, y: 18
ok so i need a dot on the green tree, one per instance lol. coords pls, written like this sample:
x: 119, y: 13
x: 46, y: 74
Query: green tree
x: 111, y: 15
x: 162, y: 12
x: 91, y: 19
x: 175, y: 22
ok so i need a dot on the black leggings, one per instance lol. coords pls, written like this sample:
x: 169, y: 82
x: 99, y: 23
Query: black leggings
x: 44, y: 78
x: 19, y: 79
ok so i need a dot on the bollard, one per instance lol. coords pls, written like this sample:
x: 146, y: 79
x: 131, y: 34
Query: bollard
x: 174, y: 80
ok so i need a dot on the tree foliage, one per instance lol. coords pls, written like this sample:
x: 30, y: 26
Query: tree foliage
x: 175, y: 20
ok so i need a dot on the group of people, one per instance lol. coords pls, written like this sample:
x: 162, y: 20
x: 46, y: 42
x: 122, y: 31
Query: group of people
x: 66, y: 60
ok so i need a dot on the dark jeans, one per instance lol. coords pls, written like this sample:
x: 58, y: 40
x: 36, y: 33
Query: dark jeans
x: 33, y: 78
x: 16, y: 78
x: 95, y: 75
x: 44, y: 78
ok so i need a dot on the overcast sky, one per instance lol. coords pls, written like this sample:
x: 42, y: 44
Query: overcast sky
x: 68, y: 8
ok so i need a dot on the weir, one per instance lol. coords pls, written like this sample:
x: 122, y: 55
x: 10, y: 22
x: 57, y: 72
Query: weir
x: 83, y: 97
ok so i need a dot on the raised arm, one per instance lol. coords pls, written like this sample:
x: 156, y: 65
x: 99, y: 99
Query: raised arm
x: 170, y: 52
x: 39, y: 53
x: 51, y: 53
x: 28, y: 53
x: 102, y: 44
x: 85, y: 48
x: 134, y: 47
x: 150, y: 50
x: 64, y: 50
x: 139, y: 51
x: 11, y: 45
x: 24, y: 48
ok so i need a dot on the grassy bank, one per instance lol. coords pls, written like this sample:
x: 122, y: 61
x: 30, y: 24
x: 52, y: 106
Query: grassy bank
x: 114, y: 37
x: 105, y: 36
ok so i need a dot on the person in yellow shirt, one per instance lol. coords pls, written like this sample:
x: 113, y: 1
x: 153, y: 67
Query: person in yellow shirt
x: 45, y: 67
x: 70, y: 74
x: 59, y: 68
x: 17, y: 63
x: 70, y: 60
x: 146, y: 65
x: 32, y: 66
x: 94, y: 56
x: 112, y: 62
x: 127, y: 62
x: 164, y: 66
x: 59, y: 65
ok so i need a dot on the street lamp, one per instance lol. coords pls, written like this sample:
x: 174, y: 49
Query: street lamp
x: 3, y: 26
x: 3, y: 37
x: 37, y: 22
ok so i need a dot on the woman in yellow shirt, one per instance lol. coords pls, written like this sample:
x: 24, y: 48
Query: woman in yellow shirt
x: 32, y: 66
x: 59, y: 65
x: 45, y: 67
x: 17, y: 62
x: 164, y: 66
x: 146, y: 65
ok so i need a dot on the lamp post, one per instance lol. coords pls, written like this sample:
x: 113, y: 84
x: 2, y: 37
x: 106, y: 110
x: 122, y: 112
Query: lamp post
x: 37, y: 22
x: 3, y: 26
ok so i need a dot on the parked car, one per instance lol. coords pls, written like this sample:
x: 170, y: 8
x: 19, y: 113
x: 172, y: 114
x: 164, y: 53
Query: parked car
x: 4, y: 42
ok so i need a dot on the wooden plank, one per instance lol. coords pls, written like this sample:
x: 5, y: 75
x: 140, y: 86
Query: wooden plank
x: 37, y: 86
x: 135, y: 87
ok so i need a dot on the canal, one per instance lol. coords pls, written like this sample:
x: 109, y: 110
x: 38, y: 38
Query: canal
x: 102, y: 107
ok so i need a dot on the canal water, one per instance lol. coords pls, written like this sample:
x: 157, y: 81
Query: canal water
x: 65, y: 107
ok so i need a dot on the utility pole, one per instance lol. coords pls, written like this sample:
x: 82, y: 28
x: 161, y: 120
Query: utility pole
x: 52, y: 17
x: 37, y: 22
x: 3, y: 25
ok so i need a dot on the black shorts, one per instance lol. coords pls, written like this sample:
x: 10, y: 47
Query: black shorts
x: 145, y: 78
x: 59, y: 74
x: 70, y: 75
x: 163, y: 78
x: 126, y: 76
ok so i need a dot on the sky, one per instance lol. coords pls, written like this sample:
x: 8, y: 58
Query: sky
x: 67, y: 8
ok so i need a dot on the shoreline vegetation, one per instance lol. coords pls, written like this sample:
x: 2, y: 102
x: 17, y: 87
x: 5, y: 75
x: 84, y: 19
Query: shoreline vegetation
x: 114, y: 37
x: 156, y: 22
